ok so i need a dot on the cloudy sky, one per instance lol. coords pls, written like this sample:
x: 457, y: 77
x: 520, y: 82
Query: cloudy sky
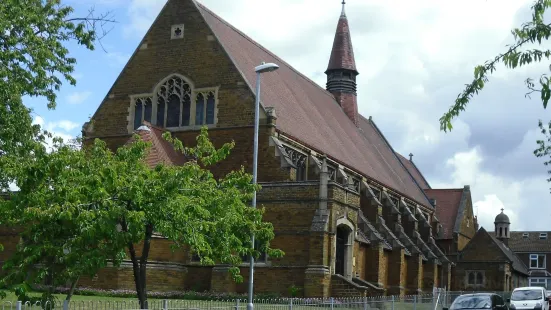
x: 414, y: 58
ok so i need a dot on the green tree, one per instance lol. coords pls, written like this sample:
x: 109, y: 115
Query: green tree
x: 82, y: 207
x: 33, y: 62
x: 519, y: 53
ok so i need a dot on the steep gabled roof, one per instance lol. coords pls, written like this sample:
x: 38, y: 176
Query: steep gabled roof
x: 161, y: 151
x: 308, y: 113
x: 448, y: 203
x: 415, y: 172
x: 517, y: 263
x: 508, y: 255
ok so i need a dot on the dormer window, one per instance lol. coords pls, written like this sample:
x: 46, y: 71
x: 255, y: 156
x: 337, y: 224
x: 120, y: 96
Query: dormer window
x: 543, y: 236
x: 525, y: 235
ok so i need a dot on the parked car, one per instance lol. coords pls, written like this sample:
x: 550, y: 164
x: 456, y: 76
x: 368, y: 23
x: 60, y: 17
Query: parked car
x: 478, y: 301
x: 533, y: 298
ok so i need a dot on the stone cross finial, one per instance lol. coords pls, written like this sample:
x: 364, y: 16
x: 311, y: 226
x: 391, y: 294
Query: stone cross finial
x: 502, y: 210
x: 410, y: 156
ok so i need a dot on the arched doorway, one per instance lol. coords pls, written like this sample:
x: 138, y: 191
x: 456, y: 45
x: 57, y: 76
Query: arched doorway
x: 342, y: 254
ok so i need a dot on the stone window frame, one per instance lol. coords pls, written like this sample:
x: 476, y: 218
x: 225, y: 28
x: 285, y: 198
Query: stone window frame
x: 265, y: 262
x: 349, y: 251
x: 294, y: 154
x: 194, y: 92
x: 192, y: 258
x: 535, y: 257
x: 475, y: 274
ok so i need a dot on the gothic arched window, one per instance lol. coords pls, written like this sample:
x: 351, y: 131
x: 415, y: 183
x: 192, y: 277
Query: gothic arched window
x: 174, y: 103
x: 142, y: 111
x: 204, y: 108
x: 175, y: 94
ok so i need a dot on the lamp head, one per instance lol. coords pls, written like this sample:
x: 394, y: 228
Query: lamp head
x: 266, y: 67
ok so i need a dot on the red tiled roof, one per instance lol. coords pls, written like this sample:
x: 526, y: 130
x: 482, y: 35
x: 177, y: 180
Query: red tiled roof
x: 416, y: 173
x: 161, y: 151
x: 447, y: 205
x: 310, y: 114
x: 342, y: 54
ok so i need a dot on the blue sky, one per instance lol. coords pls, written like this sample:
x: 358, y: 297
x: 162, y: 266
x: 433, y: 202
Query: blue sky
x: 95, y: 70
x: 414, y: 57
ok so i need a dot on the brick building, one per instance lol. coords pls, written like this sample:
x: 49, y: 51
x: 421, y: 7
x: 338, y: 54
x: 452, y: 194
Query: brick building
x: 482, y: 260
x: 532, y: 247
x: 488, y: 264
x: 457, y: 223
x: 349, y: 212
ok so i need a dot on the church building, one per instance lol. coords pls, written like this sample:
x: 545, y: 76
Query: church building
x: 349, y: 215
x: 353, y: 216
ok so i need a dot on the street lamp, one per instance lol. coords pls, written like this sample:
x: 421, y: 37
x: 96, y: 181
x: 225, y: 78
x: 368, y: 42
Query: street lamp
x: 264, y: 67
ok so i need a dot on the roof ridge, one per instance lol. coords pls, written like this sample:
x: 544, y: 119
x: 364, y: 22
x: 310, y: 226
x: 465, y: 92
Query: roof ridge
x: 416, y: 168
x: 264, y: 49
x: 401, y: 163
x: 420, y: 173
x: 444, y: 189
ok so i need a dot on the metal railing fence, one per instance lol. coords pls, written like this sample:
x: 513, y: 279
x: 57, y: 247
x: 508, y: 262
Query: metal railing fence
x: 433, y: 301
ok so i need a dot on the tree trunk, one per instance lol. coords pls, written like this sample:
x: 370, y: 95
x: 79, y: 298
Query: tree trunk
x: 143, y: 259
x: 72, y: 289
x: 140, y: 267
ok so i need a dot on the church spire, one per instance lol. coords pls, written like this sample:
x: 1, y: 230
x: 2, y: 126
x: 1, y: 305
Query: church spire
x: 341, y: 71
x: 342, y: 54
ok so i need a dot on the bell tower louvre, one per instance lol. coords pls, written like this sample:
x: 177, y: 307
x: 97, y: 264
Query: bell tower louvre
x: 341, y: 71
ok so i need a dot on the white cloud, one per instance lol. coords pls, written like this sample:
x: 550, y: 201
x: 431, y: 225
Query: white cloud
x: 78, y: 97
x: 414, y: 58
x: 64, y: 124
x: 141, y: 14
x: 521, y: 199
x: 57, y: 129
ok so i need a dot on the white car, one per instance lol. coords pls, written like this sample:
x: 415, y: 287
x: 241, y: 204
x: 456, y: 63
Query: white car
x: 533, y: 298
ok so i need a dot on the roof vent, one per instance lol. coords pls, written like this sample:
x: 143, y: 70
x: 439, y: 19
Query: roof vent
x: 525, y: 235
x: 543, y: 236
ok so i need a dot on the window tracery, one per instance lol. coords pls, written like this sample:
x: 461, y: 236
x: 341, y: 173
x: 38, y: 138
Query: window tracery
x: 356, y: 185
x: 299, y: 160
x: 142, y: 110
x: 204, y: 108
x: 332, y: 173
x: 174, y: 103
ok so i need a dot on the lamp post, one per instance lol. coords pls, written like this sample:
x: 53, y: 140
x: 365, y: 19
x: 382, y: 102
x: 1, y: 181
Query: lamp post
x: 264, y: 67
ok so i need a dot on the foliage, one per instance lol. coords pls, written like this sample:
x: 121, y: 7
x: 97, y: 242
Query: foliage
x: 294, y: 290
x: 183, y: 295
x: 80, y: 207
x: 535, y: 31
x: 33, y: 62
x: 544, y: 148
x: 531, y: 32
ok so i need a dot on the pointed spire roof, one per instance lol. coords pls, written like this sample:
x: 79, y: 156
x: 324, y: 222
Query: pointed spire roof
x: 342, y: 54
